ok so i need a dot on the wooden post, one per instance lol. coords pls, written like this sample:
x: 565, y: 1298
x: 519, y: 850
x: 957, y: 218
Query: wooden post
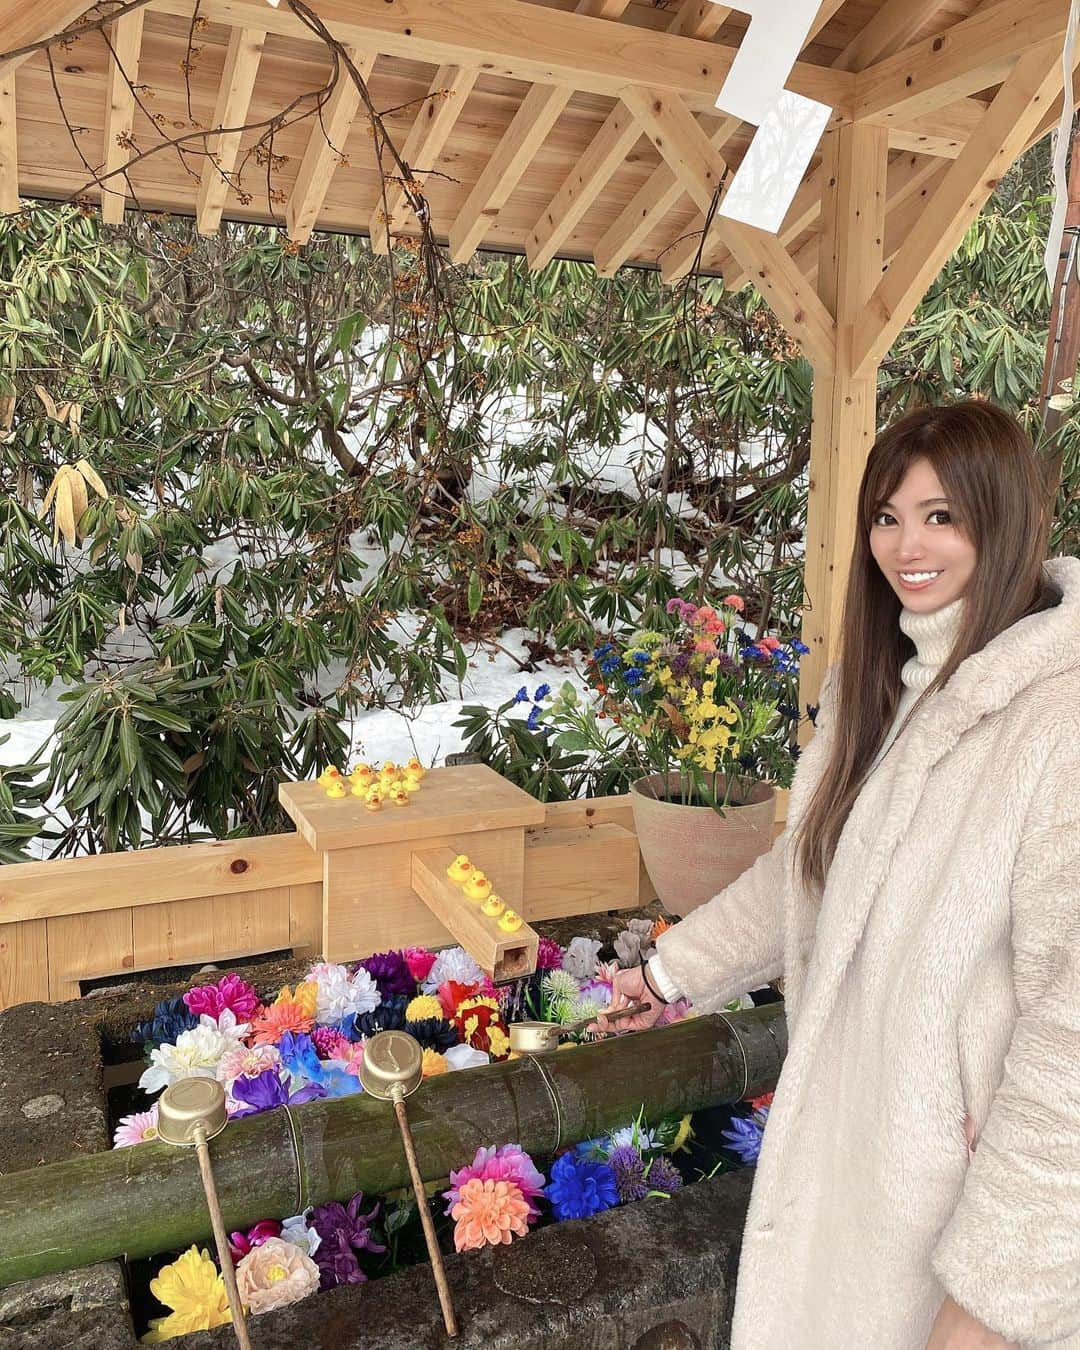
x: 844, y: 408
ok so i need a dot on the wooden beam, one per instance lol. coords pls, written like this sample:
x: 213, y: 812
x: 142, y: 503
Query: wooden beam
x: 525, y: 41
x: 329, y: 133
x: 1014, y: 114
x: 885, y: 33
x: 673, y: 130
x: 607, y: 150
x: 125, y: 39
x: 538, y: 112
x: 23, y: 22
x: 844, y: 409
x: 971, y: 55
x: 9, y: 145
x: 424, y: 144
x: 233, y: 101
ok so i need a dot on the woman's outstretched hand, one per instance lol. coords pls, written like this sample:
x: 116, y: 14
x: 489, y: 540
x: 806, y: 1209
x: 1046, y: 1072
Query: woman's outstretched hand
x: 955, y: 1329
x: 629, y: 987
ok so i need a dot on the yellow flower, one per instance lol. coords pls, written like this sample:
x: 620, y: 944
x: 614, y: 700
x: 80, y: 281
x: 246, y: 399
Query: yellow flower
x: 711, y: 667
x: 682, y: 1136
x: 664, y: 675
x: 307, y: 996
x: 193, y: 1288
x: 728, y: 714
x: 434, y: 1063
x: 423, y: 1007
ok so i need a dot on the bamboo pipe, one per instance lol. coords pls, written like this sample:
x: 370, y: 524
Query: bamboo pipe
x: 139, y: 1201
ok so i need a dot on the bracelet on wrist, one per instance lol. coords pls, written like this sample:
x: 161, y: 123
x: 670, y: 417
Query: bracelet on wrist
x: 649, y: 984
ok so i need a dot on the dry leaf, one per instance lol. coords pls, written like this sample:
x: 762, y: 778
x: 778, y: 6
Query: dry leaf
x: 531, y: 552
x: 121, y: 619
x: 75, y: 418
x: 46, y: 399
x: 7, y: 411
x: 90, y: 474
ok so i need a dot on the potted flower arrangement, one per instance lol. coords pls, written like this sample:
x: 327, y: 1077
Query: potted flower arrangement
x: 701, y: 706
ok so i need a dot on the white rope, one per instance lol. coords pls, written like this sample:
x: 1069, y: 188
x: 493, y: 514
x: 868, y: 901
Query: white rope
x: 1051, y: 258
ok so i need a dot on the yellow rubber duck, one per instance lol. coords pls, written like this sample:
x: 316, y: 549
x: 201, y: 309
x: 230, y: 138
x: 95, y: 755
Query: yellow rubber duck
x: 362, y: 773
x: 399, y: 796
x: 374, y: 801
x: 335, y: 789
x: 414, y: 769
x: 460, y: 869
x: 410, y: 783
x: 511, y: 921
x: 357, y: 788
x: 492, y: 907
x: 476, y: 886
x: 389, y: 769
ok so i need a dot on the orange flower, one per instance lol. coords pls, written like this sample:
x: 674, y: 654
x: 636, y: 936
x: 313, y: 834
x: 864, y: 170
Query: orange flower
x: 735, y: 602
x: 489, y: 1212
x: 660, y: 926
x: 434, y: 1063
x: 307, y: 996
x: 273, y: 1022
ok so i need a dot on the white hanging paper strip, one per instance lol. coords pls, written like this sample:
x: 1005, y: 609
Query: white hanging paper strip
x: 789, y: 126
x: 1061, y: 151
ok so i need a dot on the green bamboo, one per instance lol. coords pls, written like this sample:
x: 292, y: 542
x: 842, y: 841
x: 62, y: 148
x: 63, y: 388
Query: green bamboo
x: 138, y: 1201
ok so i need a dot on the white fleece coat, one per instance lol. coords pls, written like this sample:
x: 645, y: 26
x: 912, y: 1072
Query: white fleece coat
x: 938, y: 976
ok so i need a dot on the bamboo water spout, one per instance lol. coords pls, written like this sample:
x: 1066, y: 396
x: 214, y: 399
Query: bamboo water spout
x: 148, y: 1199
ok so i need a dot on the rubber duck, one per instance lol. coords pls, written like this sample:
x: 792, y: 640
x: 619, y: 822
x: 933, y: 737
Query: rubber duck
x: 389, y: 769
x: 329, y: 775
x: 357, y: 788
x: 374, y: 801
x: 511, y: 921
x: 414, y: 769
x: 460, y: 869
x: 492, y: 907
x: 476, y: 886
x: 362, y: 773
x: 399, y: 796
x: 375, y: 790
x: 410, y: 783
x: 335, y: 789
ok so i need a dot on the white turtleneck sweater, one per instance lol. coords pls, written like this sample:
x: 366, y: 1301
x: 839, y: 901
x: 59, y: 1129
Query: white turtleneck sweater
x: 934, y: 635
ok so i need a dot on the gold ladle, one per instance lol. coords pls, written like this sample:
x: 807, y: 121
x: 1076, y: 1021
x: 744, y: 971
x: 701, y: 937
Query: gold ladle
x: 540, y: 1038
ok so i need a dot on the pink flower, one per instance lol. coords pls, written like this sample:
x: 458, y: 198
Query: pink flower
x: 328, y: 1042
x: 230, y: 992
x: 705, y: 645
x: 509, y: 1162
x: 240, y: 1243
x: 488, y: 1212
x: 674, y: 1012
x: 419, y: 960
x: 274, y: 1274
x: 549, y: 954
x: 136, y: 1128
x: 735, y: 602
x: 770, y: 644
x: 244, y: 1061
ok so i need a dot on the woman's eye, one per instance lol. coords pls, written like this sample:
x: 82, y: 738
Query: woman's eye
x: 882, y: 518
x: 945, y: 518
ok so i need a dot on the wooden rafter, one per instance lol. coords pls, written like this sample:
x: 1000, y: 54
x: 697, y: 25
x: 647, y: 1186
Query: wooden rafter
x: 887, y: 32
x: 971, y: 55
x: 9, y: 145
x: 537, y: 113
x: 524, y: 41
x: 671, y: 127
x: 1015, y: 113
x: 23, y: 23
x: 125, y: 39
x: 428, y: 134
x: 326, y: 145
x: 233, y: 101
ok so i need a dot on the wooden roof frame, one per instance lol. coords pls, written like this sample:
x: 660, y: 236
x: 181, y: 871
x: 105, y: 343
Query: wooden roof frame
x: 598, y: 137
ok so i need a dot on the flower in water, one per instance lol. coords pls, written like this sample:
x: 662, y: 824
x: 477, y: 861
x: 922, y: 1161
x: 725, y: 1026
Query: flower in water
x: 580, y: 957
x: 343, y: 1231
x: 421, y: 1007
x: 275, y: 1274
x: 549, y: 955
x: 269, y: 1089
x: 299, y: 1232
x: 273, y: 1022
x: 579, y: 1187
x: 480, y: 1024
x: 388, y: 1016
x: 136, y: 1128
x: 230, y: 992
x: 488, y: 1212
x: 508, y: 1162
x: 242, y: 1243
x: 329, y: 1043
x: 629, y: 1168
x: 391, y: 973
x: 193, y: 1288
x: 196, y: 1054
x: 636, y: 1136
x: 663, y: 1176
x: 299, y: 1056
x: 170, y: 1017
x: 419, y: 960
x: 245, y: 1061
x: 433, y: 1033
x: 434, y: 1064
x: 743, y: 1137
x: 454, y: 964
x: 338, y: 993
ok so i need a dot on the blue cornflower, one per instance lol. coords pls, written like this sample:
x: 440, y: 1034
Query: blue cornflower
x: 799, y: 647
x: 533, y: 719
x: 603, y: 650
x: 641, y: 658
x: 522, y: 695
x: 743, y: 1138
x: 610, y: 664
x: 579, y: 1187
x: 634, y: 677
x: 542, y: 691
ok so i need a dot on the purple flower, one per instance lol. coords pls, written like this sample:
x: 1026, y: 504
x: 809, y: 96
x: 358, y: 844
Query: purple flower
x: 680, y: 663
x: 629, y: 1168
x: 241, y: 1243
x: 579, y: 1187
x: 549, y: 955
x: 743, y: 1138
x: 230, y: 992
x: 663, y: 1176
x: 391, y: 973
x: 269, y: 1089
x: 344, y: 1231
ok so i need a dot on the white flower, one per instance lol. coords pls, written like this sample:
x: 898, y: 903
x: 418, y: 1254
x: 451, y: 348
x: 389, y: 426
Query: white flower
x: 298, y: 1231
x: 465, y: 1057
x: 226, y: 1023
x: 644, y: 1141
x: 341, y: 993
x: 454, y: 963
x: 580, y: 957
x: 195, y: 1055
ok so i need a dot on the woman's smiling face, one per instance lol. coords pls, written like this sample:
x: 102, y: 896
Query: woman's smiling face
x: 926, y: 559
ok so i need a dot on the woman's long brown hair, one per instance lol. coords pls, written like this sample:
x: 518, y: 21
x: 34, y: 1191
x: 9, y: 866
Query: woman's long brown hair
x: 992, y: 477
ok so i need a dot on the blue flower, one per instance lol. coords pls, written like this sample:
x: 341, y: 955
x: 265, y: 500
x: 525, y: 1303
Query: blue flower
x: 169, y: 1018
x: 603, y: 650
x: 579, y: 1187
x: 542, y: 691
x: 268, y: 1089
x: 299, y: 1056
x: 533, y: 719
x: 388, y: 1016
x: 743, y: 1138
x: 799, y: 647
x: 641, y: 658
x: 788, y: 710
x: 610, y: 665
x: 522, y: 695
x: 634, y: 677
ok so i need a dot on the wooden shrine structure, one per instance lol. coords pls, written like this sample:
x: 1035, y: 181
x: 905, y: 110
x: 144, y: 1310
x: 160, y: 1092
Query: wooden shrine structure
x: 558, y: 128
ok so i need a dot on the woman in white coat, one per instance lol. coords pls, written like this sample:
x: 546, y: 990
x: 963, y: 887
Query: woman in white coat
x: 918, y: 1186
